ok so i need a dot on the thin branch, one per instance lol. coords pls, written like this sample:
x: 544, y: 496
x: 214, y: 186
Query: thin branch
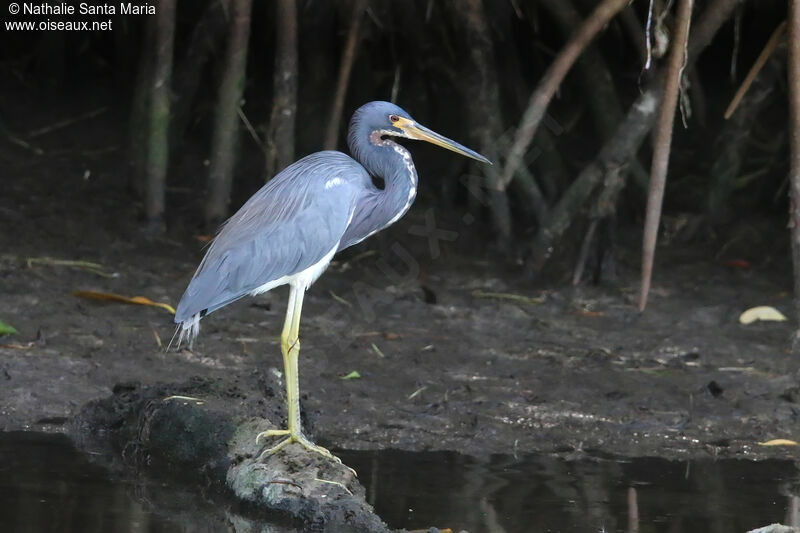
x: 548, y: 85
x: 396, y: 84
x: 67, y: 122
x: 583, y: 255
x: 647, y: 26
x: 251, y: 130
x: 663, y: 143
x: 767, y: 51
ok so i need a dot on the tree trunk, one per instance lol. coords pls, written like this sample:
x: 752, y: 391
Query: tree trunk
x: 345, y: 66
x: 280, y: 134
x: 224, y: 143
x: 484, y: 112
x: 158, y: 130
x: 206, y: 37
x: 794, y: 147
x: 139, y: 117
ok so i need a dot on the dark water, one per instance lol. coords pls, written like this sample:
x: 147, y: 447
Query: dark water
x: 46, y: 485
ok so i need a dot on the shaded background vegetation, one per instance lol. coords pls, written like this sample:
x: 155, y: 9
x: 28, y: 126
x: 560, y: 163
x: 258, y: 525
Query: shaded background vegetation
x: 463, y: 67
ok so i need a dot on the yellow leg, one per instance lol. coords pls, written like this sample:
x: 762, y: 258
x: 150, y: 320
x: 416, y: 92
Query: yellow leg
x: 290, y: 348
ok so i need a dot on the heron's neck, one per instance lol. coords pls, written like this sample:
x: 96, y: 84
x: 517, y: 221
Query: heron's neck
x: 383, y: 207
x: 400, y: 180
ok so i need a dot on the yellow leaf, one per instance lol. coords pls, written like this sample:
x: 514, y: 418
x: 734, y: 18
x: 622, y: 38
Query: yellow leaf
x: 763, y: 312
x: 110, y: 297
x: 778, y: 442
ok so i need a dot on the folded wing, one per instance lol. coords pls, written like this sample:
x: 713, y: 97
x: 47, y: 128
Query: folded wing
x: 291, y: 224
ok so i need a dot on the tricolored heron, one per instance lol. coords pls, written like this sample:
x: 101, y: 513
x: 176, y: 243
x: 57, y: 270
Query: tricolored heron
x: 288, y: 231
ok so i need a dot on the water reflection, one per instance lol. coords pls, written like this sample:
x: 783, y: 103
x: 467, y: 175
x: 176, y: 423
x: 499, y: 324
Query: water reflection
x: 46, y: 485
x: 546, y: 494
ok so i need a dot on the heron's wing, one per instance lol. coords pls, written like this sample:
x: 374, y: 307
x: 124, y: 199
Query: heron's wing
x: 289, y: 225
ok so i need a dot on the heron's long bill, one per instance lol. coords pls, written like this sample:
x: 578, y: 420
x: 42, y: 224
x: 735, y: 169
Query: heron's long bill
x: 419, y: 132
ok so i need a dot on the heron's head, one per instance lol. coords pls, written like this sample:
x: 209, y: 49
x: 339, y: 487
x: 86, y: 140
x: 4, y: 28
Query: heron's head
x: 375, y: 120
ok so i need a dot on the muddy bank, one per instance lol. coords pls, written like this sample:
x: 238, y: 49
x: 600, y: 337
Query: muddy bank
x: 564, y: 371
x: 470, y: 373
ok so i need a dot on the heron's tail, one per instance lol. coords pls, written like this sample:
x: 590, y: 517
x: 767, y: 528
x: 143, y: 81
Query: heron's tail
x: 187, y: 330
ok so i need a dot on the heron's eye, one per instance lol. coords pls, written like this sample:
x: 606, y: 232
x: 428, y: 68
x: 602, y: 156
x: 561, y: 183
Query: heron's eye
x: 394, y: 118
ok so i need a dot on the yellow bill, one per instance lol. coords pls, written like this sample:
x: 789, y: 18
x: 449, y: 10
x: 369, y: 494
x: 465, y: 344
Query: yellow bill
x: 412, y: 130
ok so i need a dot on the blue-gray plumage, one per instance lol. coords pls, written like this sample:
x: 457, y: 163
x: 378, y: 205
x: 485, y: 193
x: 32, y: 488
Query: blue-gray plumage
x: 286, y: 227
x: 289, y: 230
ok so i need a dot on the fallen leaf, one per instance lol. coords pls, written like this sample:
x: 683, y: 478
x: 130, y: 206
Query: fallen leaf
x: 340, y: 299
x: 110, y: 297
x: 763, y: 312
x: 377, y: 351
x: 95, y: 268
x: 352, y: 375
x: 589, y: 313
x: 741, y: 264
x: 417, y: 392
x: 15, y: 346
x: 6, y: 329
x: 778, y: 442
x: 509, y: 296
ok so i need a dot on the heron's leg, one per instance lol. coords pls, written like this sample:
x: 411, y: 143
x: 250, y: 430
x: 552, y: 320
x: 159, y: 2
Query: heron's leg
x: 290, y: 347
x: 291, y: 340
x: 287, y: 368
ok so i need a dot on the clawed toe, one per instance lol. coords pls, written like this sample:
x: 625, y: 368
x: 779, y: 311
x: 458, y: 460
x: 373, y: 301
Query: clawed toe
x: 300, y: 439
x: 271, y: 433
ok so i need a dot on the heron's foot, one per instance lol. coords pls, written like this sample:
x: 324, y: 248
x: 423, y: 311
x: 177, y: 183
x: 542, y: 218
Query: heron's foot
x: 300, y: 439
